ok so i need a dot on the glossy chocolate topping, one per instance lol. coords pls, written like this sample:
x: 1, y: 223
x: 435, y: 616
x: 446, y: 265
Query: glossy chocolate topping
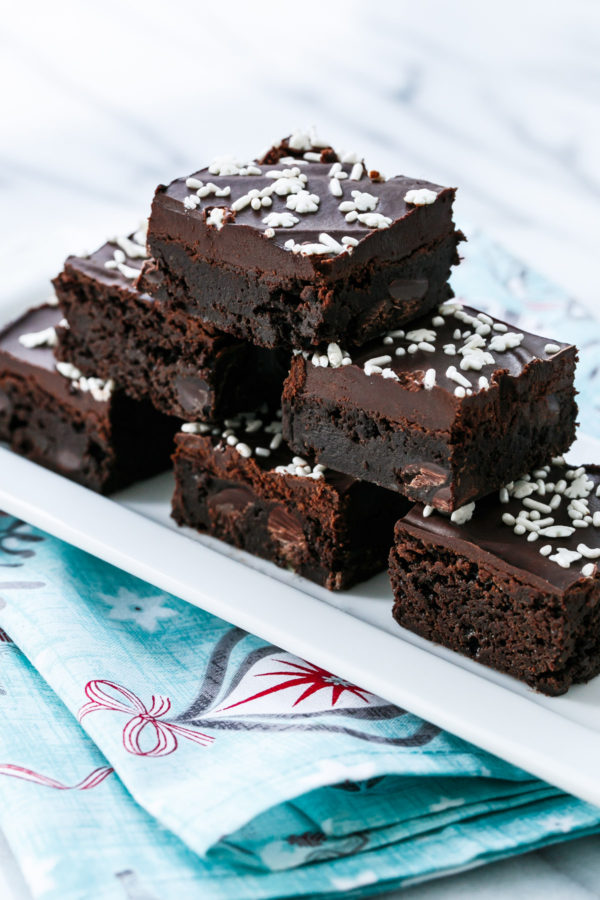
x: 486, y: 536
x: 257, y: 436
x: 440, y: 370
x: 39, y: 362
x: 95, y: 265
x: 309, y: 209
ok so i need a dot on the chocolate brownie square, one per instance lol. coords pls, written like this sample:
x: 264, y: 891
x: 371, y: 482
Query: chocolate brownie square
x: 511, y: 581
x: 83, y: 428
x: 186, y: 367
x: 302, y: 247
x: 444, y: 411
x: 243, y: 485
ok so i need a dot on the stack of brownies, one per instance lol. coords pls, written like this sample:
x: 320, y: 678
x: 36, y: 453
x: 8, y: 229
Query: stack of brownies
x: 286, y: 324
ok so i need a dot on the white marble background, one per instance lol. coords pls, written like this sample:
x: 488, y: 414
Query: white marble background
x: 101, y: 101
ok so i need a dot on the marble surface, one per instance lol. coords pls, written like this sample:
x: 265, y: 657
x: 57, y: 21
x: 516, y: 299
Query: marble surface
x: 100, y: 103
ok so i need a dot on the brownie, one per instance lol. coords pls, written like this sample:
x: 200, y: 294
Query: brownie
x: 514, y: 581
x: 264, y: 251
x: 83, y: 428
x: 444, y: 412
x: 244, y: 486
x: 187, y: 368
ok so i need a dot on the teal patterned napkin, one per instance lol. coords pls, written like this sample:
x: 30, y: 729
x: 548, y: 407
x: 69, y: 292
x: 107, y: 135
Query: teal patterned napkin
x: 153, y: 751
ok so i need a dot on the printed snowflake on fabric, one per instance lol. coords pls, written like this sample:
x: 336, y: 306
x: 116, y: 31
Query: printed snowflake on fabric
x: 147, y: 612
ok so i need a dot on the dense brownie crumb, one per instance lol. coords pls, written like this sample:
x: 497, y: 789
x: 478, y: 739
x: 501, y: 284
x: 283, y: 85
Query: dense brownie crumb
x: 444, y: 411
x: 528, y: 607
x: 85, y: 429
x: 185, y: 366
x: 320, y: 524
x: 301, y: 249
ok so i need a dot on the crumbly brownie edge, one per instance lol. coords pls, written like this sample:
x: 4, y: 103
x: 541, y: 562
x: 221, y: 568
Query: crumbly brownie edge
x: 105, y: 454
x: 152, y: 354
x: 548, y: 639
x: 334, y: 540
x: 445, y: 468
x: 254, y: 306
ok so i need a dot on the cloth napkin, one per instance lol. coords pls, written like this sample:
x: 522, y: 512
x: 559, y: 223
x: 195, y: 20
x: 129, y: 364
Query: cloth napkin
x: 152, y: 751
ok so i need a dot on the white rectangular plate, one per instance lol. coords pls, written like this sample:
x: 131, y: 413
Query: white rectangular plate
x: 350, y: 633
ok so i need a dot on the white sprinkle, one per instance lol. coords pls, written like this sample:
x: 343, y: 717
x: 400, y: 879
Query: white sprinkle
x: 276, y: 441
x: 280, y: 220
x: 193, y: 183
x: 510, y: 340
x: 372, y: 220
x: 298, y: 461
x: 460, y: 392
x: 484, y: 384
x: 504, y: 496
x: 450, y: 349
x: 68, y: 370
x: 357, y: 172
x: 269, y: 232
x: 303, y: 202
x: 551, y: 348
x: 462, y: 515
x: 457, y: 334
x: 438, y: 321
x: 253, y: 425
x: 232, y: 440
x: 372, y: 370
x: 564, y: 557
x: 557, y: 531
x: 389, y: 373
x: 45, y: 338
x: 579, y: 523
x: 243, y: 450
x: 195, y: 428
x: 412, y: 348
x: 379, y: 361
x: 596, y: 519
x: 388, y: 340
x: 508, y: 519
x: 420, y: 197
x: 532, y: 536
x: 335, y: 187
x: 500, y: 326
x: 191, y: 202
x: 588, y: 552
x: 588, y: 570
x: 398, y: 333
x: 400, y: 351
x: 519, y: 529
x: 546, y: 549
x: 427, y: 510
x: 311, y: 156
x: 262, y: 451
x: 454, y: 375
x: 535, y: 504
x: 421, y: 334
x: 334, y: 355
x: 215, y: 217
x: 429, y: 379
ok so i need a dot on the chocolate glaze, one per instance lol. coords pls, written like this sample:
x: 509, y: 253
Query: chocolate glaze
x: 39, y: 362
x: 407, y: 398
x: 487, y: 539
x: 93, y: 266
x: 241, y: 240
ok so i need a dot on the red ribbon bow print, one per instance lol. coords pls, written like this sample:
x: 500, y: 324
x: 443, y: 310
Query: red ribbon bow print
x: 165, y: 732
